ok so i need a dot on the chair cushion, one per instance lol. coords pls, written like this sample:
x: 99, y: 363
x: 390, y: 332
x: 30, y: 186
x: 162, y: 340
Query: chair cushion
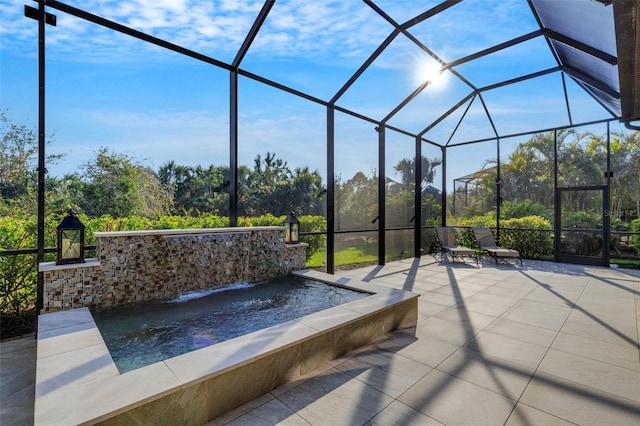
x: 502, y: 252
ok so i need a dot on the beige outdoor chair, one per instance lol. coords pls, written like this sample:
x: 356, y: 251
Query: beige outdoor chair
x: 447, y: 237
x: 484, y: 239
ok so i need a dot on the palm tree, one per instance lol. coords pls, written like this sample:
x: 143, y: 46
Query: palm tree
x: 407, y: 170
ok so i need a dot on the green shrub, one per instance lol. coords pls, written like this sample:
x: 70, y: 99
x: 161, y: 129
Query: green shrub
x: 484, y: 220
x: 18, y: 275
x: 530, y: 235
x: 582, y: 220
x: 210, y: 220
x: 635, y: 239
x: 263, y: 220
x: 524, y: 208
x: 464, y: 235
x: 314, y: 224
x: 133, y: 223
x: 533, y: 243
x: 307, y: 224
x: 171, y: 222
x: 105, y: 223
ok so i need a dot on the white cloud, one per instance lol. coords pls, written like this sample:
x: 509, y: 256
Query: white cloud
x: 304, y: 29
x: 15, y: 29
x: 317, y: 31
x: 321, y: 31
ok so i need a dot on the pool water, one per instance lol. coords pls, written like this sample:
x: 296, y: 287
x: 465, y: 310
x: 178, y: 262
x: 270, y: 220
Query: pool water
x: 143, y: 333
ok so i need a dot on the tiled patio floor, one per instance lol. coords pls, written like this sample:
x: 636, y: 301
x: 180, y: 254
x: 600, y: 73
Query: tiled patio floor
x: 543, y: 344
x: 17, y: 381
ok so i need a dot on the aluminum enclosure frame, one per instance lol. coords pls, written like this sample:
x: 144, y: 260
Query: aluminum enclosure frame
x: 381, y: 126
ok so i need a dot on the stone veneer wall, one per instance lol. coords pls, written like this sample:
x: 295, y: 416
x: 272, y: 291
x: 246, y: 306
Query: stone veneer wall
x: 142, y: 265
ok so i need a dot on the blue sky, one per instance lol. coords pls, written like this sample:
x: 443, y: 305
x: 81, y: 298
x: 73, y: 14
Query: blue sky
x: 107, y: 89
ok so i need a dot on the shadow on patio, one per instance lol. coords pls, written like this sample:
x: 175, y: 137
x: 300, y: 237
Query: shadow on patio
x: 545, y: 344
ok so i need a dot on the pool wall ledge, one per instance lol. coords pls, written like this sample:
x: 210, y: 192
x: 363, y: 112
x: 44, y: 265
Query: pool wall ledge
x: 77, y: 382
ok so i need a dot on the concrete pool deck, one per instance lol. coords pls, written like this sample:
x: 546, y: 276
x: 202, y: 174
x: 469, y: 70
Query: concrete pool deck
x: 542, y: 344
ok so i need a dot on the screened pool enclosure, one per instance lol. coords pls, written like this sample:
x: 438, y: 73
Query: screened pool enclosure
x: 510, y: 108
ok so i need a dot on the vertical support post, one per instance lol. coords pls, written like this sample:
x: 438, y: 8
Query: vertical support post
x: 498, y: 190
x: 453, y: 199
x: 41, y: 151
x: 606, y: 205
x: 381, y: 194
x: 417, y: 213
x: 233, y: 148
x: 557, y: 223
x: 443, y: 198
x: 466, y: 193
x: 331, y: 186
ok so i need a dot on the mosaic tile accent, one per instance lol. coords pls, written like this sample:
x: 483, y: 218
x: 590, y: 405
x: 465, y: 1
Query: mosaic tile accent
x: 138, y: 266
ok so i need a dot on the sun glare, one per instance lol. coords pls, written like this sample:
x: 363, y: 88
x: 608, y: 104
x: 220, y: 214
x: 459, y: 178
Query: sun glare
x: 430, y: 70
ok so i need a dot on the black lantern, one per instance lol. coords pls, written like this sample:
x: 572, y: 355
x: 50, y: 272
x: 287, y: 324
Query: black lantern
x: 70, y: 240
x: 292, y: 225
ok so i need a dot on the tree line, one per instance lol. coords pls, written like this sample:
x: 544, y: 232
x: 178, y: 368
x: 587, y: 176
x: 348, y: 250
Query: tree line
x: 118, y: 185
x: 528, y: 173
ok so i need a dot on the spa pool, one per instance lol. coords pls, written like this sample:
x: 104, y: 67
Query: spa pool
x: 139, y: 334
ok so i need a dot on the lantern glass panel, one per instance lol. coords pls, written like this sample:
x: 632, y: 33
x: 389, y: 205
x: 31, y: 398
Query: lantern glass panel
x: 70, y: 243
x: 292, y: 225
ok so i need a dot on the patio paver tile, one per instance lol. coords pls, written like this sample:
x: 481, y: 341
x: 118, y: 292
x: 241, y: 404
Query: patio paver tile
x: 620, y: 355
x: 428, y: 309
x: 500, y: 376
x: 591, y: 325
x: 443, y: 299
x: 507, y: 348
x: 556, y: 295
x: 335, y: 398
x: 451, y: 400
x: 514, y: 291
x: 579, y: 404
x: 608, y: 378
x: 428, y: 351
x: 398, y: 413
x: 540, y: 314
x: 387, y: 372
x: 446, y: 330
x: 460, y: 315
x: 498, y: 299
x: 523, y: 415
x: 241, y: 411
x: 480, y: 307
x: 271, y: 413
x: 522, y: 331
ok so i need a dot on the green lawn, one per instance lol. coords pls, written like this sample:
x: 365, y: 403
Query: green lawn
x: 626, y: 262
x: 356, y: 255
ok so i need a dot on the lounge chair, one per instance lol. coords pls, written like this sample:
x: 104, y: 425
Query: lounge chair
x: 484, y: 239
x: 447, y: 237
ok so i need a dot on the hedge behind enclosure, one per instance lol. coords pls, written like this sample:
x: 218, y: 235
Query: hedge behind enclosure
x: 530, y: 235
x: 18, y: 274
